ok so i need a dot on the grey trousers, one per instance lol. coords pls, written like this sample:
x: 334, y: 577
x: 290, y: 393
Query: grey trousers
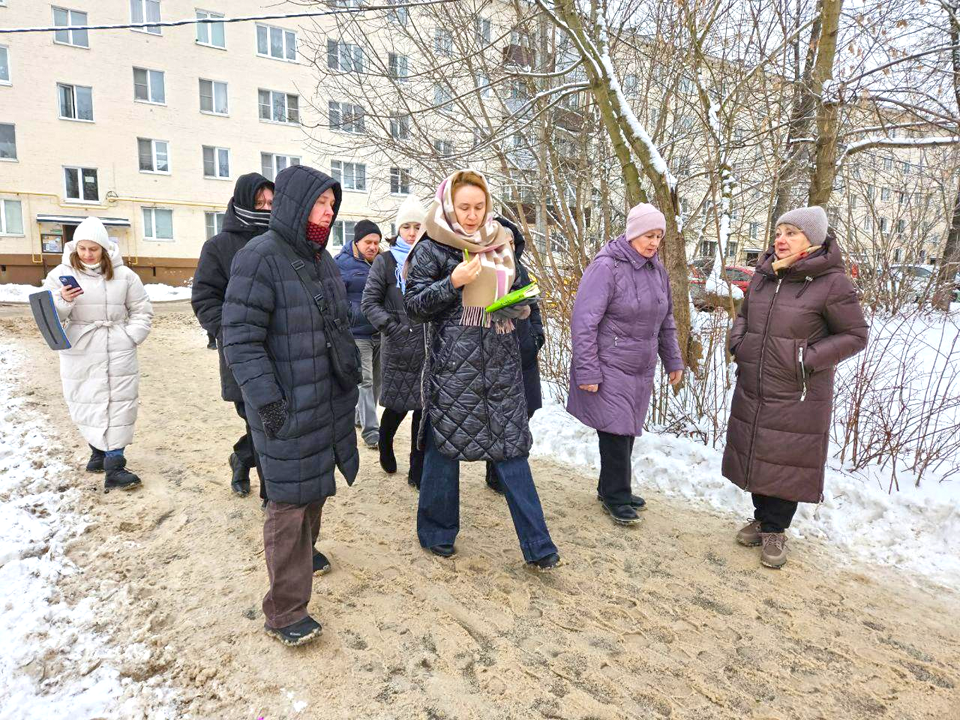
x: 369, y: 390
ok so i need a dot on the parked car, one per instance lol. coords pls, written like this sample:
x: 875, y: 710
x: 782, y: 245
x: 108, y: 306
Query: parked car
x: 740, y: 276
x: 705, y: 293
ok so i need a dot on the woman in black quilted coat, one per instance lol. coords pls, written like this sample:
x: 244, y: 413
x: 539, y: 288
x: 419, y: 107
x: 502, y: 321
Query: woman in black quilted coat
x: 402, y: 351
x: 474, y: 405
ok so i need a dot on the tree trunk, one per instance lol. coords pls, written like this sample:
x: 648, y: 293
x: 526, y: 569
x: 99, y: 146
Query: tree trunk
x: 824, y: 170
x: 950, y: 257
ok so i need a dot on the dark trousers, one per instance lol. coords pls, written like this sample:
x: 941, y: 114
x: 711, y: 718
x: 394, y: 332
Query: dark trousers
x: 493, y: 480
x: 245, y: 450
x: 774, y: 514
x: 389, y: 423
x: 616, y: 468
x: 289, y: 535
x: 438, y: 516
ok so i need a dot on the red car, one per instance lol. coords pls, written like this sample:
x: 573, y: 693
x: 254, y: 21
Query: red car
x: 740, y: 275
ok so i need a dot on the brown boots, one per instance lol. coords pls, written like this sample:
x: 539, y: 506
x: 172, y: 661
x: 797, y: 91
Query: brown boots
x: 773, y: 554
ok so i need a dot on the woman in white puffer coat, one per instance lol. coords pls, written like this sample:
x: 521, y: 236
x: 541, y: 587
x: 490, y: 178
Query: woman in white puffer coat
x: 105, y: 320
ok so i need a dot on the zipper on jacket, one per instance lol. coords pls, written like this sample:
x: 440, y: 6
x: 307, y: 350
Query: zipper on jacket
x: 763, y: 352
x: 616, y: 339
x: 806, y: 284
x: 803, y: 376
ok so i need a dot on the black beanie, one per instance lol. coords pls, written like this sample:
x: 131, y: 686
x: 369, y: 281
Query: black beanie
x: 364, y: 228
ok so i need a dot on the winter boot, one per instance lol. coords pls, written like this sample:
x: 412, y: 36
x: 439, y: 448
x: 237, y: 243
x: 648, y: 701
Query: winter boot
x: 95, y: 463
x: 298, y: 633
x: 118, y: 477
x: 321, y: 566
x: 388, y: 461
x: 415, y: 473
x: 241, y: 476
x: 444, y: 551
x: 774, y: 552
x: 636, y: 502
x: 493, y: 480
x: 622, y: 514
x: 547, y: 563
x: 749, y: 534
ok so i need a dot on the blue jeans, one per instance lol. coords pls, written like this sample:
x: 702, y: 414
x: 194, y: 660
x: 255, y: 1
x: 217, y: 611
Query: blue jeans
x: 438, y: 516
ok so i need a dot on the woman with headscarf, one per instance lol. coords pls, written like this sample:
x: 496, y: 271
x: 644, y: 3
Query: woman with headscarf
x: 474, y: 405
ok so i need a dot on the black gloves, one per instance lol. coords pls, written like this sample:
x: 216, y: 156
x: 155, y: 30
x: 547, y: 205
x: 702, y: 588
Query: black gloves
x: 540, y: 339
x: 273, y: 416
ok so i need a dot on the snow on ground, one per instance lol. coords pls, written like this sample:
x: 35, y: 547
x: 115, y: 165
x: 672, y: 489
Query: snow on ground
x: 55, y: 662
x: 155, y: 291
x: 916, y: 529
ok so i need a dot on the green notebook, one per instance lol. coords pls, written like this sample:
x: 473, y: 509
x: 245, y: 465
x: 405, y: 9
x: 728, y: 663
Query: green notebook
x: 525, y: 293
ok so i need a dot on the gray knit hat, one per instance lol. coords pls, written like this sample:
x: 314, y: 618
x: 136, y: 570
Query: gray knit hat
x: 811, y: 220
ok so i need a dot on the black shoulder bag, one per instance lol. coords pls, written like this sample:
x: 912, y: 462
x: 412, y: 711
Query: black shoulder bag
x: 341, y: 349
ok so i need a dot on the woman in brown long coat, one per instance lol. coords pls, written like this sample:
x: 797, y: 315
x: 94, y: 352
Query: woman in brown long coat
x: 800, y: 318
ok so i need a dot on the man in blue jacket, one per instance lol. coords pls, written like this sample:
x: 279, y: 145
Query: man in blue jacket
x: 355, y: 260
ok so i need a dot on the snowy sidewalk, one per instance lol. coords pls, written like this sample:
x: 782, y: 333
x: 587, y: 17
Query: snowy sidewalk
x: 155, y: 291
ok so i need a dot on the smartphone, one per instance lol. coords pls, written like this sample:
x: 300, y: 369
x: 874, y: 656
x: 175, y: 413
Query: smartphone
x: 70, y: 281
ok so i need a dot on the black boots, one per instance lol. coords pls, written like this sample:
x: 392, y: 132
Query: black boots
x: 240, y: 484
x: 388, y: 461
x: 298, y: 633
x: 493, y: 480
x: 95, y: 463
x: 416, y: 470
x: 622, y: 514
x: 118, y: 477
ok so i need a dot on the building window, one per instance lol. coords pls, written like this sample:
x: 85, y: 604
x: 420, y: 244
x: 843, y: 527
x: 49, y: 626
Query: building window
x: 213, y: 97
x: 214, y: 223
x: 210, y: 33
x: 342, y: 231
x: 148, y: 86
x: 731, y: 249
x: 271, y: 164
x: 345, y: 117
x: 885, y: 193
x: 4, y: 65
x: 154, y: 155
x: 279, y: 107
x: 67, y: 18
x: 868, y: 223
x: 443, y: 148
x: 399, y: 67
x: 344, y: 56
x: 157, y: 224
x: 276, y: 43
x: 216, y: 162
x: 482, y: 83
x: 399, y: 181
x: 8, y: 142
x: 142, y: 11
x: 901, y: 226
x: 754, y: 230
x: 441, y: 96
x: 400, y: 127
x: 888, y: 164
x: 81, y: 184
x: 76, y: 102
x: 442, y: 41
x: 398, y: 15
x: 898, y: 255
x: 883, y: 225
x: 351, y: 176
x: 631, y: 84
x: 11, y: 217
x: 482, y: 28
x: 907, y: 167
x: 870, y: 192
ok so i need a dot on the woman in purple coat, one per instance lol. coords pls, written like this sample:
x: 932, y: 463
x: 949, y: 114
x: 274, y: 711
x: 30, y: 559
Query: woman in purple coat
x: 622, y: 321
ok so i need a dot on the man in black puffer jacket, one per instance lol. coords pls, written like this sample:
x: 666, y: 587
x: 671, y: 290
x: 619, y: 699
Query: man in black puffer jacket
x: 248, y: 215
x: 300, y: 411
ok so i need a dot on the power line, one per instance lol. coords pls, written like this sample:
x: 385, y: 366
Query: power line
x: 210, y: 21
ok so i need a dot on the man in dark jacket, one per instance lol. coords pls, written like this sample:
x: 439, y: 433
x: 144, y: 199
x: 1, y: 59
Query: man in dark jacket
x: 531, y: 337
x: 247, y: 216
x: 355, y: 260
x: 287, y: 340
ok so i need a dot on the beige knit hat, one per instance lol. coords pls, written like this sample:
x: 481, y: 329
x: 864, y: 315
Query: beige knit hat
x: 410, y: 211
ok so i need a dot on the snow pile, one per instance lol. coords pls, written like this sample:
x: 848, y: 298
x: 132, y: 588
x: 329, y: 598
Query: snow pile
x: 716, y: 285
x: 155, y: 291
x: 54, y: 662
x: 916, y: 529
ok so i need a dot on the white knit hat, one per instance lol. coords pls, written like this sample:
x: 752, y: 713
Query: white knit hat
x: 410, y: 211
x: 92, y: 229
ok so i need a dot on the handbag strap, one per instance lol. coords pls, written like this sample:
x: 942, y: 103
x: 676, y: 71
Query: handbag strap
x: 313, y: 287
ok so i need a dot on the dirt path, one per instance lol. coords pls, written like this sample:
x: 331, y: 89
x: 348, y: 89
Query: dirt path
x: 671, y: 619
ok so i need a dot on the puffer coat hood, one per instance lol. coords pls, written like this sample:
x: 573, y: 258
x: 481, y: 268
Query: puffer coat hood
x: 792, y: 330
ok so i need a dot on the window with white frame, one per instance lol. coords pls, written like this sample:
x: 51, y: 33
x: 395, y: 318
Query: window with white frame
x: 8, y: 141
x: 482, y: 28
x: 214, y: 223
x: 148, y: 86
x: 731, y: 248
x: 399, y: 66
x: 210, y: 33
x: 888, y: 164
x: 399, y: 126
x: 351, y: 176
x: 80, y: 184
x: 399, y: 181
x: 398, y: 15
x: 4, y: 65
x: 441, y: 96
x: 271, y: 164
x: 898, y: 255
x: 76, y: 102
x: 144, y: 11
x: 883, y: 225
x: 11, y: 217
x: 66, y: 19
x: 906, y: 167
x: 213, y: 97
x: 754, y: 230
x: 154, y: 155
x: 345, y: 117
x: 631, y: 84
x: 216, y: 162
x: 277, y: 43
x: 901, y: 226
x: 868, y: 223
x: 442, y: 41
x: 443, y: 148
x: 279, y: 107
x: 342, y: 232
x: 482, y: 83
x: 344, y: 56
x: 157, y: 224
x: 885, y: 193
